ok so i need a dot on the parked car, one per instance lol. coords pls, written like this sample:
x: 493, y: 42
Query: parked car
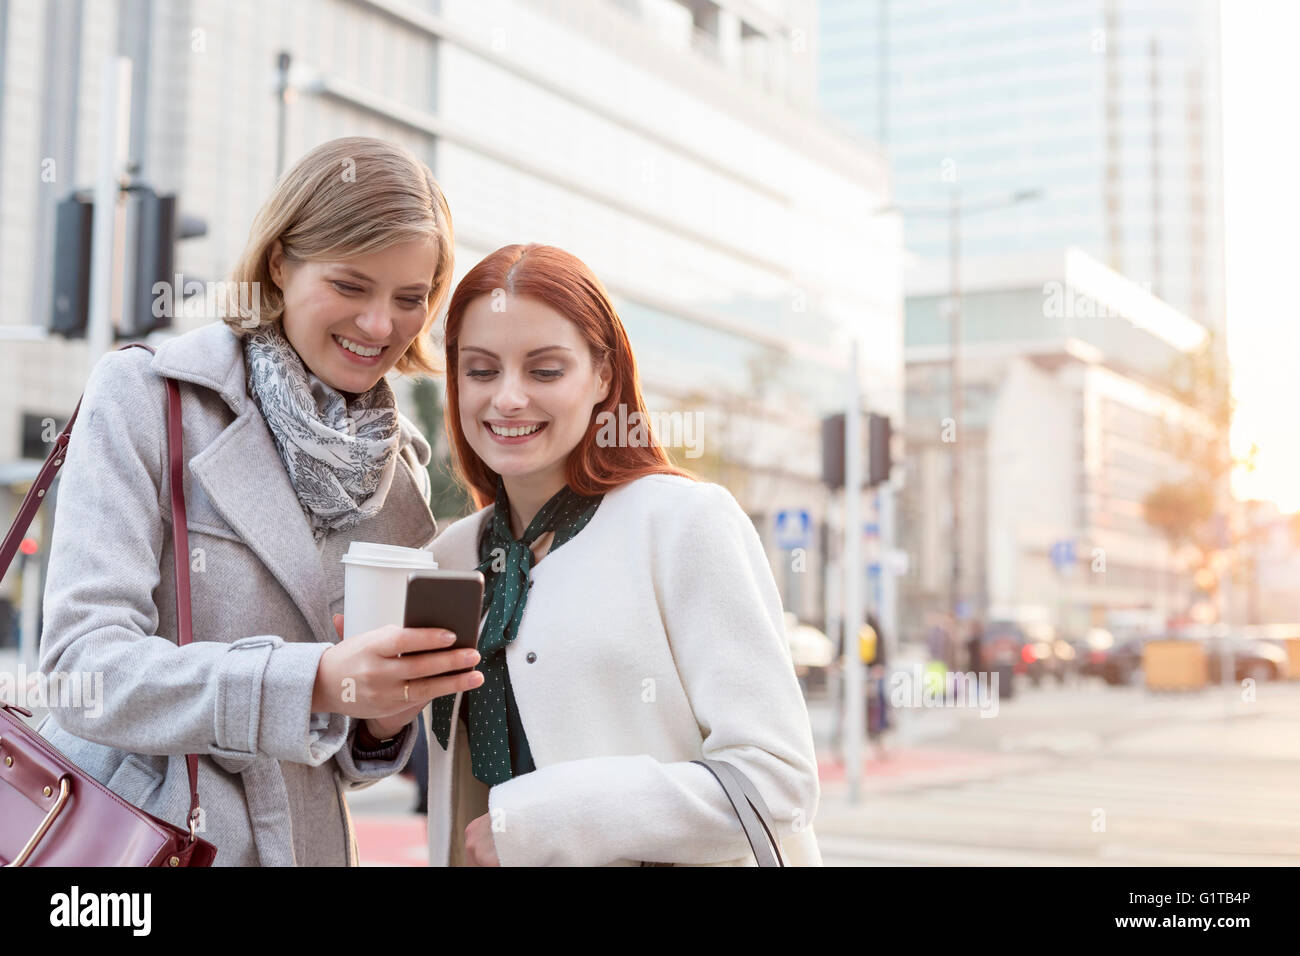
x: 1090, y: 651
x: 1001, y: 650
x: 1122, y: 663
x: 811, y: 652
x: 1002, y: 644
x: 1258, y: 660
x: 1046, y: 655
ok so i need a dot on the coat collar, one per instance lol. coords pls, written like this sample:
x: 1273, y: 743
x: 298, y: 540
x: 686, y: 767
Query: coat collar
x: 259, y: 503
x: 456, y: 549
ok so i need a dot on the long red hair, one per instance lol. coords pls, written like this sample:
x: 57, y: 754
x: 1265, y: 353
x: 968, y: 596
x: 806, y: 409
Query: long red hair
x: 562, y: 281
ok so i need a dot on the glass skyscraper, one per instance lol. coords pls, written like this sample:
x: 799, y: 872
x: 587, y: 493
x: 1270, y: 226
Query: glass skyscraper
x: 1111, y: 107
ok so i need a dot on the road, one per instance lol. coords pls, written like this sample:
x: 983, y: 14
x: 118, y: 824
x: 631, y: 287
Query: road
x: 1081, y: 775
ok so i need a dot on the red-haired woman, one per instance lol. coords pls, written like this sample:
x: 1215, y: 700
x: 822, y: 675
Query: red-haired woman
x: 630, y: 623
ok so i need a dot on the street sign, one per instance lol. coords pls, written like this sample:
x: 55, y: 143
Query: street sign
x: 873, y: 582
x: 793, y: 529
x: 1062, y: 553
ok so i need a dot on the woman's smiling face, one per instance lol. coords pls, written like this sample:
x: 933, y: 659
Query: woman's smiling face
x: 373, y: 301
x: 524, y: 366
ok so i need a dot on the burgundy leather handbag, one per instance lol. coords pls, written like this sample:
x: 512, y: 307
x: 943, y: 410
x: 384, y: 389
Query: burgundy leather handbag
x: 52, y: 813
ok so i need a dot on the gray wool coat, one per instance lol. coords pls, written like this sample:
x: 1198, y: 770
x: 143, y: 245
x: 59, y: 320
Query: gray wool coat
x: 271, y: 774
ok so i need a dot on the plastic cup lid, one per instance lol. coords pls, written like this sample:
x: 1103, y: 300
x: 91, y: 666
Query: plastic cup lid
x: 388, y: 556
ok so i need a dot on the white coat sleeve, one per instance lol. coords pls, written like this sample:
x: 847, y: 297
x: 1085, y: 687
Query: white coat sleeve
x: 232, y: 701
x: 723, y: 616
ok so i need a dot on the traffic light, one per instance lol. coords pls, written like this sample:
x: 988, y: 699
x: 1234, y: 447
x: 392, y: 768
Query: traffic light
x: 155, y: 261
x: 151, y: 258
x: 833, y: 451
x: 71, y: 267
x: 879, y: 456
x: 880, y: 461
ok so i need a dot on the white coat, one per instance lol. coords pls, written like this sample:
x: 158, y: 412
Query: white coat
x: 653, y: 638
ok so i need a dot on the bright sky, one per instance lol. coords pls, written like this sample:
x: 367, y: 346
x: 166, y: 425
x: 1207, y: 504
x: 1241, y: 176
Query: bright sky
x: 1261, y: 74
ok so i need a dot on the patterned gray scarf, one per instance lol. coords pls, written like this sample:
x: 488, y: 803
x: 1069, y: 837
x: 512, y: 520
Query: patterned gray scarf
x: 340, y: 454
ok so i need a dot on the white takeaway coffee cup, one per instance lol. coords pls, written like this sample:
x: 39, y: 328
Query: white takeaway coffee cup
x: 374, y: 584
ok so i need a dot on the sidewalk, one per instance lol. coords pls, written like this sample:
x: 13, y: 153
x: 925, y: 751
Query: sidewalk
x: 920, y: 766
x: 388, y: 832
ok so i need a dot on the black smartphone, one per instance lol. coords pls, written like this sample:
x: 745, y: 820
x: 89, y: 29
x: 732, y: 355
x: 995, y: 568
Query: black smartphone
x: 451, y: 600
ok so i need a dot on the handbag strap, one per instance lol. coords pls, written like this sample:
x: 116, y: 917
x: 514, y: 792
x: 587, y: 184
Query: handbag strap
x: 751, y: 810
x: 180, y: 534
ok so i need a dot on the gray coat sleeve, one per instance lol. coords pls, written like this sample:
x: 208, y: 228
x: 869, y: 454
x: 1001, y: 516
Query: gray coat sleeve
x: 232, y: 701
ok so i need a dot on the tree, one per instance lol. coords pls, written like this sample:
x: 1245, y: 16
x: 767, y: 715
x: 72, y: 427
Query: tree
x: 1177, y: 509
x: 1192, y: 510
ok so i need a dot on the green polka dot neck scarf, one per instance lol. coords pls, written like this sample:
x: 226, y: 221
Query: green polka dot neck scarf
x: 506, y: 564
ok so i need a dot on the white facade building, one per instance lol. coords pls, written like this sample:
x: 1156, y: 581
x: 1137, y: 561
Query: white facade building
x: 1061, y: 440
x: 671, y: 146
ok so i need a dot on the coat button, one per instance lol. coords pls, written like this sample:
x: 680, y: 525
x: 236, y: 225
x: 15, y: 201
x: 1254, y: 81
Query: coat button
x: 532, y: 656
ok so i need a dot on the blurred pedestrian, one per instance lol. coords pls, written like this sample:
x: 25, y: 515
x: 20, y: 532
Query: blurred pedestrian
x: 938, y: 642
x: 871, y: 651
x: 974, y: 646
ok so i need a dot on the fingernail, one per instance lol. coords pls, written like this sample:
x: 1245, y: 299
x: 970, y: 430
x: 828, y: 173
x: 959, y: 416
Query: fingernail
x: 470, y: 657
x: 449, y: 637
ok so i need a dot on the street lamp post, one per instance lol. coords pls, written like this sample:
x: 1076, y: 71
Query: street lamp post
x: 955, y: 211
x: 282, y: 61
x: 955, y: 397
x: 291, y: 78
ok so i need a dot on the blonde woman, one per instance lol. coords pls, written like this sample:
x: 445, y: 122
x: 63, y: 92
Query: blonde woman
x: 631, y: 624
x: 294, y: 448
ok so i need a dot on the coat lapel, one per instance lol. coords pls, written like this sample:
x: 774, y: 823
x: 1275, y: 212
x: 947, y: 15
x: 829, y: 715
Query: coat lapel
x: 262, y: 507
x: 241, y: 473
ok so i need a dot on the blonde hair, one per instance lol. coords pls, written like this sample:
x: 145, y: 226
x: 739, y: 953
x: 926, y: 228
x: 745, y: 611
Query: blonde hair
x: 348, y: 197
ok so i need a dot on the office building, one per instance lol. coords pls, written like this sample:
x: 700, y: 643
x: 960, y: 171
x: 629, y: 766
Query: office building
x: 672, y: 146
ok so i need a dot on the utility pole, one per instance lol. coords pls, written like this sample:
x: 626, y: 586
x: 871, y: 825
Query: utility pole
x: 281, y: 102
x: 955, y: 399
x: 853, y: 621
x: 955, y: 212
x: 114, y: 143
